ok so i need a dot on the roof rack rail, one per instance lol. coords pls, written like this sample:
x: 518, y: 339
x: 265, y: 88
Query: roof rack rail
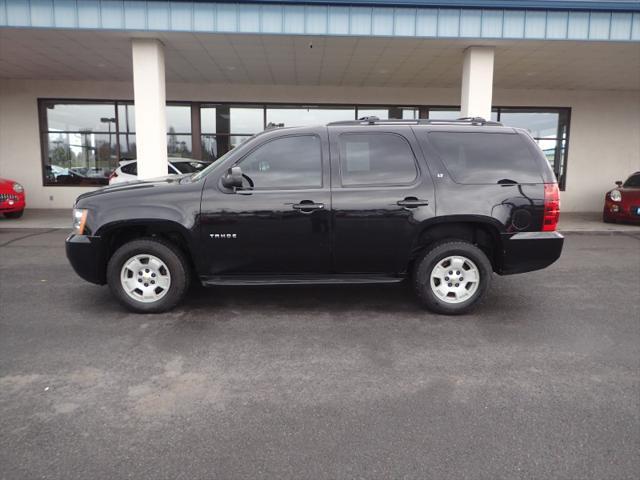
x: 421, y: 121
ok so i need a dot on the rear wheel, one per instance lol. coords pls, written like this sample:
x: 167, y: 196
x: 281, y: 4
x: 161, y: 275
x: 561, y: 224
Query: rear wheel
x: 17, y: 214
x: 452, y: 277
x: 148, y: 275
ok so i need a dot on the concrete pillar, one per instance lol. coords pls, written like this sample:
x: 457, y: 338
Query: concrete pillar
x: 150, y: 106
x: 477, y: 82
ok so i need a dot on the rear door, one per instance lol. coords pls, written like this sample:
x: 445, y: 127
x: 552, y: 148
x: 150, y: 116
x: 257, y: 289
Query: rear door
x: 381, y: 192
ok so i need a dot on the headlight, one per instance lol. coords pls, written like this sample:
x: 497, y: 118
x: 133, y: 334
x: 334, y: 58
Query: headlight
x: 18, y: 188
x: 615, y: 195
x: 79, y: 220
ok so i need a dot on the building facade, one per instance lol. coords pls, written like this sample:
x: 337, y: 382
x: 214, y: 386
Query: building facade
x: 85, y: 84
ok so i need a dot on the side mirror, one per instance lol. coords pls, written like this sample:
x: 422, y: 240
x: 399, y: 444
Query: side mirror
x: 233, y: 178
x: 618, y: 183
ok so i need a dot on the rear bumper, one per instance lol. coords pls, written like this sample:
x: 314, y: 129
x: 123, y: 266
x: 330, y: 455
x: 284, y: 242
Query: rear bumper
x: 87, y: 256
x: 528, y: 251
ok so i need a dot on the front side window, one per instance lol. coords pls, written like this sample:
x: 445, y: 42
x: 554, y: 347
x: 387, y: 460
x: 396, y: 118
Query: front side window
x: 486, y: 158
x: 376, y: 159
x: 285, y: 163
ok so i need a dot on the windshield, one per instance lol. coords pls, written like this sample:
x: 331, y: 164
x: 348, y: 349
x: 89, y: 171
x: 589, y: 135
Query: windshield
x: 632, y: 182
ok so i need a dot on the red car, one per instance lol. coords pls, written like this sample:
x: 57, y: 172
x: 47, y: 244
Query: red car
x: 622, y: 204
x: 12, y: 198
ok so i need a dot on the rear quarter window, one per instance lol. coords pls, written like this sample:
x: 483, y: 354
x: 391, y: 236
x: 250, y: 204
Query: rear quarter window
x: 486, y: 158
x: 130, y: 169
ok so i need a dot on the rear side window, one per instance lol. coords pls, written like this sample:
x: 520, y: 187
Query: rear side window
x: 476, y: 158
x: 376, y: 159
x: 130, y: 169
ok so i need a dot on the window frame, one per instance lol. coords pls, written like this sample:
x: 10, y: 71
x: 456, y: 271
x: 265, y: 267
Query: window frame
x: 416, y: 164
x: 278, y: 189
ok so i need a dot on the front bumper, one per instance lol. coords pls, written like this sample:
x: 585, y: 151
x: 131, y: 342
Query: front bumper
x: 16, y: 203
x: 620, y: 213
x: 528, y: 251
x: 88, y: 258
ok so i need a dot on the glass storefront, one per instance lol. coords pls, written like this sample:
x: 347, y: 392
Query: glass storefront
x: 83, y: 141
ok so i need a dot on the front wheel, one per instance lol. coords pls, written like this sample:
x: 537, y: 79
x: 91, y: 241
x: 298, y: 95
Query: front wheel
x: 452, y: 277
x: 148, y: 275
x: 17, y: 214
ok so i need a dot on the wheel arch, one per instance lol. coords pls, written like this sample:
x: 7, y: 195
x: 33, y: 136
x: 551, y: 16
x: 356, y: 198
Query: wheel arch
x: 482, y: 231
x: 117, y: 233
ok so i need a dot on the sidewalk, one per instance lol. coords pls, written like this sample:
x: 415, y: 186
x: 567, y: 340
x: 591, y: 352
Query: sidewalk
x: 569, y: 222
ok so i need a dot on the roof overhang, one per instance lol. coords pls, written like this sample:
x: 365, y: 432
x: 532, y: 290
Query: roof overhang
x: 469, y: 19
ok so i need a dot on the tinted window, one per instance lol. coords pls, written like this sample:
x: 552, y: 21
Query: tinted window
x: 130, y: 168
x: 486, y: 157
x: 376, y: 159
x: 285, y: 163
x: 632, y: 182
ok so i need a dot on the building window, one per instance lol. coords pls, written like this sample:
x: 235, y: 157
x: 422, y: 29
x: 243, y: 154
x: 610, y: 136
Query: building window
x: 548, y: 126
x: 300, y: 116
x: 83, y: 141
x: 79, y: 143
x: 179, y: 131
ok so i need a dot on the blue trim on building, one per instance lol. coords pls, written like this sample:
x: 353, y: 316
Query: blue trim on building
x: 288, y: 18
x: 608, y: 5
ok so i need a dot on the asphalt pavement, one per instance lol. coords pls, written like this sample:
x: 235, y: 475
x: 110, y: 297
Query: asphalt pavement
x: 339, y: 382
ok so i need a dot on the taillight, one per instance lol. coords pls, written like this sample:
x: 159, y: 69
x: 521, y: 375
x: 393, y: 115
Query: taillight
x: 114, y: 174
x: 551, y: 207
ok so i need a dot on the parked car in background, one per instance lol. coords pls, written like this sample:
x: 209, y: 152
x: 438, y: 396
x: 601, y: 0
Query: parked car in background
x: 622, y: 204
x: 127, y: 171
x: 12, y: 198
x: 444, y: 204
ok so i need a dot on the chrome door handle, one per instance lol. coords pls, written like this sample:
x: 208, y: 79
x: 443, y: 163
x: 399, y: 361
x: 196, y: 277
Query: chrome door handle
x: 307, y: 206
x: 412, y: 202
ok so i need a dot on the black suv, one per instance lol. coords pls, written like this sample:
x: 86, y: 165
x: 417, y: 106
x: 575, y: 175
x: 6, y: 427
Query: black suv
x: 443, y: 203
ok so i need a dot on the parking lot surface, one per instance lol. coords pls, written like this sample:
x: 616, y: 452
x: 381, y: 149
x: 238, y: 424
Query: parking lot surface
x: 542, y: 381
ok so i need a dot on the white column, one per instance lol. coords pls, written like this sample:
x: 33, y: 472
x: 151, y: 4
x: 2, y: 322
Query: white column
x: 477, y: 82
x: 150, y: 107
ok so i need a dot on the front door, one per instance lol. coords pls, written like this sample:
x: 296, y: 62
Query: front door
x: 279, y: 221
x: 381, y: 194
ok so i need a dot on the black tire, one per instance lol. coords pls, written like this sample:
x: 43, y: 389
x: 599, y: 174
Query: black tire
x: 17, y: 214
x: 425, y: 265
x: 172, y: 257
